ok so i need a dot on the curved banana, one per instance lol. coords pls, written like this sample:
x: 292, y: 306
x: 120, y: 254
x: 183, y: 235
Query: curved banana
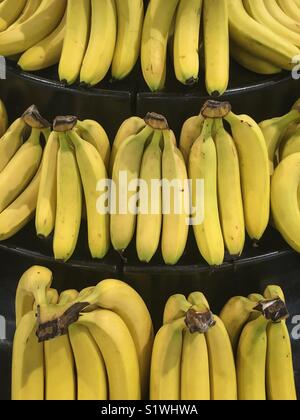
x: 203, y: 166
x: 255, y: 172
x: 119, y: 353
x: 69, y: 202
x: 9, y: 12
x: 45, y: 53
x: 216, y: 45
x: 229, y: 191
x: 46, y: 204
x: 166, y: 362
x: 101, y: 46
x: 275, y: 10
x: 75, y: 40
x: 175, y: 308
x: 3, y: 119
x: 290, y: 9
x: 175, y: 199
x: 190, y: 131
x: 93, y: 171
x: 258, y: 39
x: 130, y: 24
x: 30, y: 8
x: 11, y: 141
x: 157, y: 25
x: 291, y: 145
x: 33, y: 30
x: 186, y: 41
x: 274, y: 292
x: 149, y: 219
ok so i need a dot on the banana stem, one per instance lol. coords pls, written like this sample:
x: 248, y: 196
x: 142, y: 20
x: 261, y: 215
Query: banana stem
x: 199, y: 322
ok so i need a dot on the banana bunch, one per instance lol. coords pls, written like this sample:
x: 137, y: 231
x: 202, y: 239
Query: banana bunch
x: 234, y: 196
x: 151, y: 193
x: 192, y: 357
x: 258, y: 333
x: 102, y: 352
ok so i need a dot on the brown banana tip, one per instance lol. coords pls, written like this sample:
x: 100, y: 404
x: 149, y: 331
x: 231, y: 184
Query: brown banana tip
x: 191, y: 81
x: 33, y: 118
x: 156, y: 121
x: 273, y: 310
x: 199, y: 322
x: 215, y: 109
x: 64, y: 123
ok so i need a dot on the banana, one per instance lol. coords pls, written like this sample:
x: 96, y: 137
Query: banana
x: 290, y: 9
x: 229, y: 191
x: 11, y: 141
x: 258, y: 39
x: 291, y: 145
x: 127, y: 161
x: 52, y: 296
x: 235, y: 315
x: 33, y: 30
x: 94, y: 133
x: 256, y: 297
x: 203, y: 166
x: 157, y: 25
x: 75, y: 40
x: 29, y: 9
x: 186, y: 41
x: 190, y: 131
x: 101, y: 46
x: 260, y: 13
x: 274, y: 292
x: 10, y: 12
x: 69, y: 202
x: 90, y: 367
x: 117, y: 347
x: 3, y: 119
x: 27, y: 362
x: 251, y: 361
x: 130, y: 24
x: 284, y: 199
x: 60, y: 380
x: 46, y: 204
x: 175, y: 199
x: 255, y: 172
x: 198, y: 299
x: 32, y: 287
x: 149, y: 219
x: 275, y: 10
x: 274, y: 129
x: 92, y: 171
x: 16, y: 176
x: 175, y: 308
x: 216, y: 45
x: 20, y: 211
x: 251, y: 62
x: 45, y: 53
x: 166, y: 362
x: 195, y: 380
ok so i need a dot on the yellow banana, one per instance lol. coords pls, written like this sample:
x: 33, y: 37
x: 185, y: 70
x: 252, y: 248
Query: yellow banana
x: 256, y: 297
x: 11, y: 142
x: 190, y: 131
x: 275, y: 10
x: 130, y: 23
x: 10, y: 12
x: 175, y: 308
x: 29, y: 9
x: 291, y: 145
x: 3, y: 119
x: 274, y: 292
x: 290, y: 9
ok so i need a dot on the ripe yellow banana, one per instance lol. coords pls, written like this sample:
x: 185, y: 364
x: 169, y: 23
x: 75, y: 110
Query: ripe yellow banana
x: 186, y: 41
x: 94, y: 133
x: 119, y: 353
x: 255, y: 172
x: 290, y: 9
x: 10, y: 12
x: 275, y: 10
x: 20, y: 170
x: 33, y: 30
x: 93, y: 171
x: 190, y: 131
x: 259, y: 39
x: 274, y: 292
x: 90, y: 366
x: 175, y: 199
x: 216, y: 45
x: 198, y: 299
x: 175, y: 308
x: 251, y: 361
x: 11, y: 142
x: 129, y: 127
x: 46, y: 205
x: 291, y: 145
x: 166, y: 362
x: 284, y: 199
x: 27, y: 362
x: 127, y: 162
x: 149, y: 219
x: 69, y: 202
x: 203, y: 166
x: 45, y: 53
x: 157, y: 25
x: 101, y: 46
x: 229, y: 191
x: 256, y: 297
x: 75, y: 40
x: 29, y: 9
x: 130, y: 24
x: 3, y: 119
